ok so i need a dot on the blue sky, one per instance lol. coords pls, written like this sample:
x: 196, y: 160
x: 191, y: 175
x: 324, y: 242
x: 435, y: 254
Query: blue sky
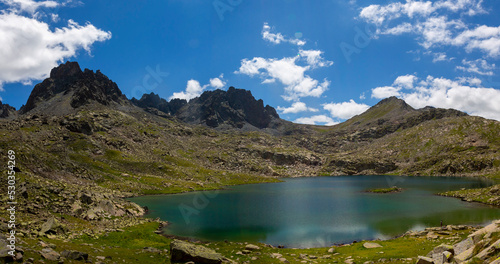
x: 315, y: 61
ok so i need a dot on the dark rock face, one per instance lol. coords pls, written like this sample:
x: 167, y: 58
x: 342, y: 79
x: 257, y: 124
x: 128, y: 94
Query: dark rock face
x: 7, y: 111
x: 82, y: 87
x: 154, y: 101
x: 234, y: 107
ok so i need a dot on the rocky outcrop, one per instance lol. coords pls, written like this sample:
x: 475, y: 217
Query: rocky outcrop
x: 154, y: 101
x: 7, y: 111
x: 183, y: 252
x: 235, y: 107
x: 479, y: 246
x: 359, y: 166
x: 68, y: 87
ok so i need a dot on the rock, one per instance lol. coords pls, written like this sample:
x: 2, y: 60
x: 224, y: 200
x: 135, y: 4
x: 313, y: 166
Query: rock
x: 75, y: 255
x: 489, y: 251
x: 331, y: 250
x: 465, y: 255
x: 440, y: 249
x: 371, y: 245
x: 182, y: 251
x: 284, y: 260
x: 252, y: 247
x: 463, y: 246
x: 52, y: 226
x: 50, y: 254
x: 424, y: 260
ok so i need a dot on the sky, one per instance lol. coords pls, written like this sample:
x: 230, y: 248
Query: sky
x: 317, y: 62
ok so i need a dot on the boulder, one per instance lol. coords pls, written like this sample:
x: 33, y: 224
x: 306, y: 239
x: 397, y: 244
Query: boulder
x: 50, y: 254
x: 465, y: 255
x: 251, y: 247
x: 75, y: 255
x: 463, y: 246
x: 489, y: 251
x: 52, y: 226
x: 371, y: 245
x: 182, y: 251
x: 424, y: 260
x: 436, y: 253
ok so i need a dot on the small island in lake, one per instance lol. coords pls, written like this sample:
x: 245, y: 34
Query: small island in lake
x: 393, y: 189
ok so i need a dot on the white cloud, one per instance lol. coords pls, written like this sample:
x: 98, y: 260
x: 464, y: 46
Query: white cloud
x: 345, y: 110
x: 194, y: 88
x: 478, y: 66
x: 30, y: 49
x: 385, y: 91
x: 406, y: 81
x: 289, y: 73
x: 278, y: 38
x: 314, y: 58
x: 465, y: 94
x: 316, y: 120
x: 29, y: 6
x: 440, y: 56
x: 430, y: 22
x: 218, y: 83
x: 296, y: 108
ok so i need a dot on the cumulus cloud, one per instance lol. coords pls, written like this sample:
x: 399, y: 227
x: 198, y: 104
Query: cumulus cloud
x: 278, y: 38
x: 195, y: 89
x: 431, y: 23
x: 479, y: 66
x: 465, y: 94
x: 30, y: 48
x: 296, y: 108
x: 345, y: 110
x: 314, y: 58
x: 316, y: 120
x: 218, y: 83
x: 289, y: 72
x: 29, y: 6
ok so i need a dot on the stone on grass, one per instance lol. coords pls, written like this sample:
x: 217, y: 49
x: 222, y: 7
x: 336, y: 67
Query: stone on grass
x: 182, y: 251
x: 424, y: 260
x: 371, y: 245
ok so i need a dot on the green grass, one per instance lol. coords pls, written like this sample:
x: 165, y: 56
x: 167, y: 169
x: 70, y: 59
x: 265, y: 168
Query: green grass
x: 385, y: 190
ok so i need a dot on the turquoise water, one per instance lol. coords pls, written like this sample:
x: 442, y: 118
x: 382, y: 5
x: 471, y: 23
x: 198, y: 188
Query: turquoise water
x: 319, y: 211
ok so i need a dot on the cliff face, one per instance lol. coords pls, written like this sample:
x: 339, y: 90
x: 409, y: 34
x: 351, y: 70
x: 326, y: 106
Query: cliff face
x: 154, y: 101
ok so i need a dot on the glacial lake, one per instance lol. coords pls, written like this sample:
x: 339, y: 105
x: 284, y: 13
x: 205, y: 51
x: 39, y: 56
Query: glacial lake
x: 318, y: 211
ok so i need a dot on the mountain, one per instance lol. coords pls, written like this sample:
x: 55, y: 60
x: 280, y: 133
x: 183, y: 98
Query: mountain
x: 7, y: 111
x: 69, y: 88
x: 388, y: 116
x: 95, y: 118
x: 234, y: 108
x: 153, y: 100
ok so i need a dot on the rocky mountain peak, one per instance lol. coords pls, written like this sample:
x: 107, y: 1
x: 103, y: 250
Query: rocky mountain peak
x: 155, y: 101
x: 7, y: 111
x: 234, y: 107
x: 395, y: 103
x: 66, y: 70
x: 69, y: 88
